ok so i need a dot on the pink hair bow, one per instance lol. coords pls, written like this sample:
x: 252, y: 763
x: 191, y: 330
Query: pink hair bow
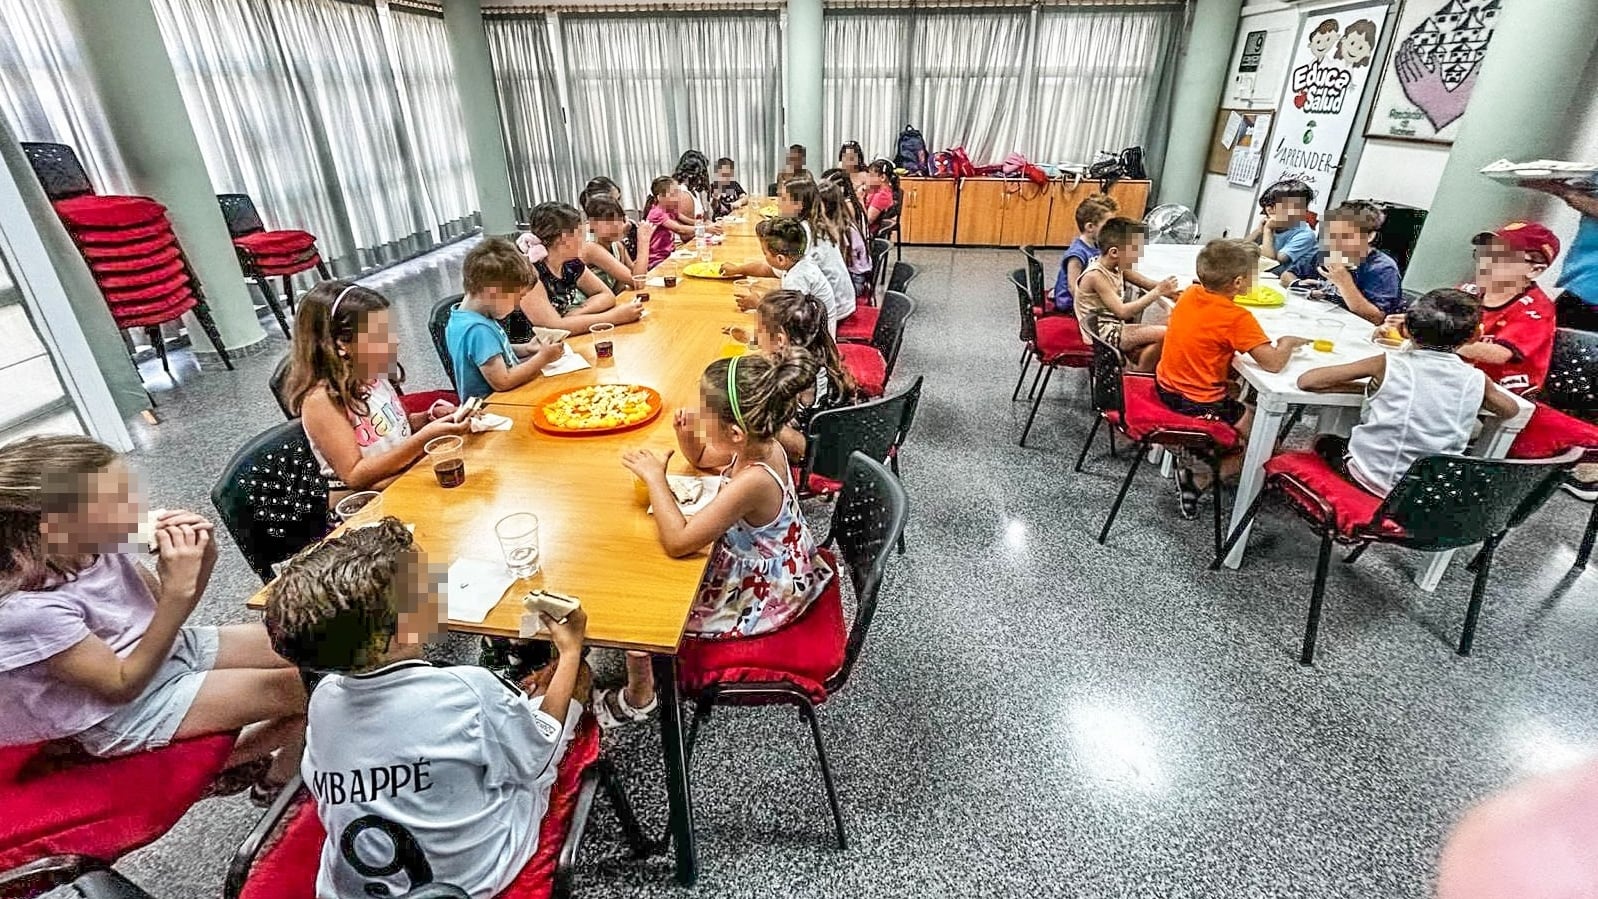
x: 534, y: 248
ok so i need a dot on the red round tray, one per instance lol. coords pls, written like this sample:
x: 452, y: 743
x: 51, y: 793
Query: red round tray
x: 656, y: 404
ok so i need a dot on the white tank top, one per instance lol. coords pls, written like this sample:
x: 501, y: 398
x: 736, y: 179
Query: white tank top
x: 1426, y: 405
x: 384, y: 425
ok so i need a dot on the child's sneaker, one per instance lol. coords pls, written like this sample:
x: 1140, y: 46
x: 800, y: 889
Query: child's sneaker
x: 1586, y: 491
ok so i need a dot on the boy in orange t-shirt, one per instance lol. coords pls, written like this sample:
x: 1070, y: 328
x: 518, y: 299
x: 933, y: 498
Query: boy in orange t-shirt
x: 1205, y: 331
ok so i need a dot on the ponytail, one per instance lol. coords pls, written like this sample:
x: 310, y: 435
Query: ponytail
x: 658, y: 188
x: 758, y: 393
x: 804, y: 191
x: 802, y: 319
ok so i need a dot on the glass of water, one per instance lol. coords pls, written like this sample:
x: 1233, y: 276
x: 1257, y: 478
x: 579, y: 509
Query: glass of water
x: 518, y: 540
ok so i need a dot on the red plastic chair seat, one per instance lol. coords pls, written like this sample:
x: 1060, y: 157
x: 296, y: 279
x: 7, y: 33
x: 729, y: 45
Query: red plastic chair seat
x: 140, y: 263
x: 804, y: 653
x: 416, y: 403
x: 1551, y: 433
x: 153, y: 291
x: 133, y: 249
x: 822, y: 486
x: 1060, y: 342
x: 276, y: 243
x: 860, y: 325
x: 95, y: 237
x: 138, y: 280
x: 101, y: 808
x: 286, y: 868
x: 1147, y: 416
x: 867, y: 366
x: 97, y: 212
x: 1304, y: 478
x: 289, y: 267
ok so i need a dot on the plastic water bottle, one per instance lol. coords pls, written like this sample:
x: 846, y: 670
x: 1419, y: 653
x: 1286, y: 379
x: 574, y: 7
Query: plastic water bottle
x: 702, y: 239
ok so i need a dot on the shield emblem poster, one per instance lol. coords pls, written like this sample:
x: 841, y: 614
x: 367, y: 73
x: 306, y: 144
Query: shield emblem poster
x: 1430, y: 74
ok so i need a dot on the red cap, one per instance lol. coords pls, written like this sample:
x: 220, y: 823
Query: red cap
x: 1523, y: 237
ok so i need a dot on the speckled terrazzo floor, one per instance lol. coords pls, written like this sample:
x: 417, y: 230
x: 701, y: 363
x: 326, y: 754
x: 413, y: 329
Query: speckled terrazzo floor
x: 1036, y: 715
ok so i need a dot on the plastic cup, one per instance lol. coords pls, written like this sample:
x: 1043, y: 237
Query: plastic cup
x: 518, y: 541
x: 640, y: 491
x: 360, y: 509
x: 444, y: 454
x: 604, y: 345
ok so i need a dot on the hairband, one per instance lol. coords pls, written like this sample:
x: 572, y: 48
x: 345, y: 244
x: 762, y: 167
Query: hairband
x: 732, y: 392
x: 534, y: 248
x: 333, y: 311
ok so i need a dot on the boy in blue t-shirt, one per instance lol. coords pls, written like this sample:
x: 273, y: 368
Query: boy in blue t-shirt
x: 1351, y: 272
x: 1091, y: 214
x: 1284, y: 233
x: 495, y: 276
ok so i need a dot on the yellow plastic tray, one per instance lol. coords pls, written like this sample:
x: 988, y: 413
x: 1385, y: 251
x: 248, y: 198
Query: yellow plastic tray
x: 1262, y: 297
x: 710, y: 270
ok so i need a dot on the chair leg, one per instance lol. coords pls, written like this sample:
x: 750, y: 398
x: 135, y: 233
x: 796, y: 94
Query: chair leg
x: 703, y: 704
x: 1585, y: 553
x: 1026, y: 363
x: 153, y: 334
x: 808, y: 712
x: 272, y: 304
x: 208, y: 324
x: 1082, y: 456
x: 1353, y: 556
x: 1048, y: 372
x: 1478, y: 593
x: 1240, y: 530
x: 1109, y: 437
x: 1317, y: 594
x: 637, y: 842
x: 322, y: 270
x: 1215, y: 498
x: 1289, y: 423
x: 1035, y: 378
x: 1126, y: 484
x: 288, y: 291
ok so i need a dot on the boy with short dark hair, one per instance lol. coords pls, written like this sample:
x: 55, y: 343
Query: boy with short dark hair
x: 1349, y: 270
x: 420, y: 772
x: 1517, y: 317
x: 1091, y: 214
x: 495, y: 275
x: 1109, y: 305
x: 1284, y: 233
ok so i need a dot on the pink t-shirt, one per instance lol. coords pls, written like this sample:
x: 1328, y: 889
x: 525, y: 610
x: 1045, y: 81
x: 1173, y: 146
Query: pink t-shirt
x: 880, y: 199
x: 661, y: 242
x: 109, y: 600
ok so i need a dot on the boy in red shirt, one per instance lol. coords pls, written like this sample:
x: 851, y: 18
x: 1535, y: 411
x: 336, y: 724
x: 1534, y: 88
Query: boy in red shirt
x: 1517, y: 318
x: 1205, y: 332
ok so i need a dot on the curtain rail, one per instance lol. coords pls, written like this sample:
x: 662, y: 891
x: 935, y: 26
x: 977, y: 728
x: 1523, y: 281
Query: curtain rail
x: 418, y: 6
x: 511, y: 9
x: 1105, y: 5
x: 627, y: 6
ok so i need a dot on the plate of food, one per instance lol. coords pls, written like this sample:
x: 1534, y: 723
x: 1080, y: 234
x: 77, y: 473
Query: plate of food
x: 711, y: 270
x: 769, y: 211
x: 1262, y: 296
x: 597, y: 409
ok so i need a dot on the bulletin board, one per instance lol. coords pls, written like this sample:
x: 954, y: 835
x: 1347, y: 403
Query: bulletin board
x: 1239, y: 132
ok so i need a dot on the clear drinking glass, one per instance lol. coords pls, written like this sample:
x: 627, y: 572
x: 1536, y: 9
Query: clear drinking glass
x: 445, y: 455
x: 518, y: 540
x: 360, y: 509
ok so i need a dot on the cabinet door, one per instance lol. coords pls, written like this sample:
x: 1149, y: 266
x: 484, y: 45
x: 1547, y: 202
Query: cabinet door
x: 932, y: 218
x: 1026, y: 214
x: 982, y: 209
x: 1131, y: 196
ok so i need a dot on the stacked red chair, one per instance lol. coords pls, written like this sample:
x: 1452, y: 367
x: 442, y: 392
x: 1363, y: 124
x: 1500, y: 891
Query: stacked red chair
x: 130, y: 247
x: 267, y: 254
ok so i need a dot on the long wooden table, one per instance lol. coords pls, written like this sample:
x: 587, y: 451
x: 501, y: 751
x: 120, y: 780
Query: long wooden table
x: 597, y: 542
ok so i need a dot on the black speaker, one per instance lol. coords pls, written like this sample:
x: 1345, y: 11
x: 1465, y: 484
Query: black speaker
x: 1400, y: 232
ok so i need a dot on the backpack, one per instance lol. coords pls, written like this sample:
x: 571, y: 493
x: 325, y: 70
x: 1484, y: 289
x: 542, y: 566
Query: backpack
x: 1115, y: 166
x: 912, y: 154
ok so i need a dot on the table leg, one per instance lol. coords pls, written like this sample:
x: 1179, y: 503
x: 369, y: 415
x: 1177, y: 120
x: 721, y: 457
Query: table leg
x: 1261, y: 443
x: 679, y: 797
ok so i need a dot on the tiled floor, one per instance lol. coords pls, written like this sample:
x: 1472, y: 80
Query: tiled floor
x: 1036, y: 714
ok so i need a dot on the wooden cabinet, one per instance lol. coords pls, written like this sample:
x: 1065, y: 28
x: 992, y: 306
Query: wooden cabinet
x: 928, y: 215
x: 981, y: 215
x: 1133, y: 197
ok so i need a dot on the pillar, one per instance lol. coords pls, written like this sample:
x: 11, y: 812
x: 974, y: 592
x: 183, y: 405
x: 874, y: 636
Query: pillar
x: 1200, y: 81
x: 805, y: 40
x: 128, y: 62
x: 474, y: 87
x: 1512, y: 115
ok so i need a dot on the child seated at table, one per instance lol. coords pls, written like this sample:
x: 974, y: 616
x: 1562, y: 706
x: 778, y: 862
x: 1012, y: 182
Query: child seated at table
x: 96, y: 649
x: 881, y: 196
x: 1350, y: 271
x: 566, y: 295
x: 726, y: 194
x: 599, y: 186
x: 494, y: 275
x: 1420, y: 401
x: 1284, y: 233
x: 800, y: 198
x: 420, y: 772
x: 1105, y: 307
x: 1091, y: 214
x: 1204, y: 334
x: 1517, y: 318
x: 611, y: 256
x: 784, y: 242
x: 838, y: 210
x: 660, y: 210
x: 341, y: 382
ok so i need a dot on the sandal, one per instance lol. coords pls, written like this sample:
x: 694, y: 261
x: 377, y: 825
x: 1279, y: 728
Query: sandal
x: 613, y: 710
x: 263, y: 793
x: 1189, y: 493
x: 236, y: 779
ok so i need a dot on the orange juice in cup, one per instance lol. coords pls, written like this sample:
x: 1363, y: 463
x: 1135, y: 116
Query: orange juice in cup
x: 640, y: 491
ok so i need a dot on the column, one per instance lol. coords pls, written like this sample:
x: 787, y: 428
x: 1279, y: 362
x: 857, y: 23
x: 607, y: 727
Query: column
x: 1512, y: 115
x: 128, y: 62
x: 1200, y: 81
x: 474, y: 87
x: 805, y: 40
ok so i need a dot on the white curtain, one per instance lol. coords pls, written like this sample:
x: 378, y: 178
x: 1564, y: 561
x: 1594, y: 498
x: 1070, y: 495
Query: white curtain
x: 438, y: 132
x: 967, y: 79
x: 732, y: 91
x: 529, y: 110
x: 46, y: 93
x: 862, y: 84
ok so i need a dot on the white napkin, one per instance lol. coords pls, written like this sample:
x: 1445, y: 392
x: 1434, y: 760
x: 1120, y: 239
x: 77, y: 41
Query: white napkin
x: 711, y: 488
x: 569, y: 361
x: 475, y: 587
x: 488, y: 421
x: 655, y: 282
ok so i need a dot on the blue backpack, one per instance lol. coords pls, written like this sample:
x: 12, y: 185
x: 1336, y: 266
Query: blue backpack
x: 912, y: 155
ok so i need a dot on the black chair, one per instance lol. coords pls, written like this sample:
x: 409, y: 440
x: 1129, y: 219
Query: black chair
x: 869, y: 518
x: 903, y: 274
x: 879, y: 268
x: 278, y: 382
x: 872, y: 363
x: 260, y: 260
x: 1054, y: 340
x: 437, y: 323
x: 272, y: 497
x: 68, y: 876
x: 1036, y: 282
x: 875, y: 428
x: 60, y: 172
x: 1567, y: 414
x: 1441, y: 503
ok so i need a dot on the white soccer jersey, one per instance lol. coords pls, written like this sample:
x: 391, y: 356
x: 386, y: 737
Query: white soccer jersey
x: 428, y: 774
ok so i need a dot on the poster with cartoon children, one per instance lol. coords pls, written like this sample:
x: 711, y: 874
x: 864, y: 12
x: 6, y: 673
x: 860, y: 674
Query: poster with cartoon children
x: 1437, y: 52
x: 1332, y: 63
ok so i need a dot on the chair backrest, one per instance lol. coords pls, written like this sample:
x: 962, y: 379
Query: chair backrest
x: 1034, y: 277
x: 903, y: 274
x: 437, y: 321
x: 912, y: 401
x: 1572, y: 382
x: 871, y: 427
x: 238, y: 210
x: 879, y: 267
x: 889, y: 334
x: 1445, y: 502
x: 58, y: 169
x: 272, y: 497
x: 1109, y: 366
x: 867, y: 522
x: 1029, y: 325
x: 277, y: 382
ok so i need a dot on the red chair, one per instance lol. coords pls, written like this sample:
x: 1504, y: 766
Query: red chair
x: 1129, y: 403
x: 66, y: 812
x: 280, y: 857
x: 810, y: 659
x: 872, y: 363
x: 1441, y: 503
x: 1567, y: 414
x: 1055, y: 341
x: 267, y: 254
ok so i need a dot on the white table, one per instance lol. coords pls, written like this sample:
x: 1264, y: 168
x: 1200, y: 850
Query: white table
x: 1275, y: 393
